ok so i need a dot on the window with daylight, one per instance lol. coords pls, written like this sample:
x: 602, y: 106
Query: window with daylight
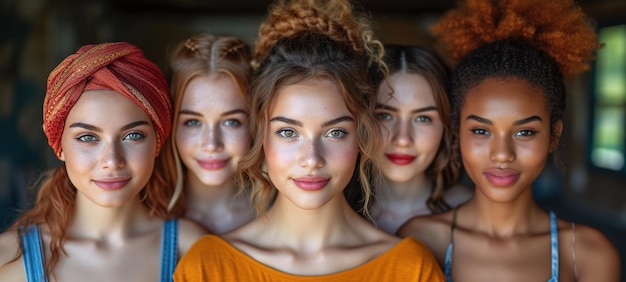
x: 608, y: 112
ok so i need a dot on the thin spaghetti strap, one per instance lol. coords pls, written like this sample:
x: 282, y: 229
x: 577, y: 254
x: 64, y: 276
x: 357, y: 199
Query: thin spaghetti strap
x: 453, y: 224
x: 574, y: 250
x: 448, y: 260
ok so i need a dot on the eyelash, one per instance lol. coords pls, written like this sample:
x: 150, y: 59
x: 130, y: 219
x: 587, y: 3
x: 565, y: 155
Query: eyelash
x: 382, y: 116
x: 229, y: 122
x: 281, y: 132
x: 84, y: 137
x: 521, y: 133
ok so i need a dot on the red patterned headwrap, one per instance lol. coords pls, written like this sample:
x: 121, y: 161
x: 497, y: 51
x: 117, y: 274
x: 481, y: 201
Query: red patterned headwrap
x: 119, y: 66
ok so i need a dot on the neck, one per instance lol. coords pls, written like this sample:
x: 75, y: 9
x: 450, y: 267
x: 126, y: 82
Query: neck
x: 202, y: 197
x: 102, y: 223
x: 409, y: 194
x: 310, y: 230
x: 503, y: 220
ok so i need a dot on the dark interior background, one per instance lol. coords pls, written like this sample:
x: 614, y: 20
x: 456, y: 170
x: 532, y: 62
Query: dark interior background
x: 37, y: 34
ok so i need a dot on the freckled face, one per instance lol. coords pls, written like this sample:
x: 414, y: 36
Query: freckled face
x: 505, y: 137
x: 412, y: 127
x: 109, y: 147
x: 212, y: 131
x: 310, y: 144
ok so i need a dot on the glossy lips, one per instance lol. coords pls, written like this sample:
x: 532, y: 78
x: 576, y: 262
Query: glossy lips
x: 311, y: 183
x: 401, y: 159
x: 501, y: 177
x: 213, y: 164
x: 113, y: 183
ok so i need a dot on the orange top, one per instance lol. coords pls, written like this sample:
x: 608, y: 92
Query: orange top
x: 213, y: 259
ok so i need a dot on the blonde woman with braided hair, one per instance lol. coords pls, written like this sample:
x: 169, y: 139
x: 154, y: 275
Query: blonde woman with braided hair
x: 210, y: 77
x: 312, y: 118
x: 508, y: 101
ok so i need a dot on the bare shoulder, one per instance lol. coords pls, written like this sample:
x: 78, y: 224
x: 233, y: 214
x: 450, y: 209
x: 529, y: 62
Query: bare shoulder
x: 433, y: 231
x: 426, y: 226
x: 188, y: 232
x: 13, y: 271
x: 458, y: 194
x: 596, y: 257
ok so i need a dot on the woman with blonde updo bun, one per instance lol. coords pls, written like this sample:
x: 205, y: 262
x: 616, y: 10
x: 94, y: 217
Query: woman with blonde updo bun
x: 508, y: 100
x: 312, y: 116
x: 210, y: 78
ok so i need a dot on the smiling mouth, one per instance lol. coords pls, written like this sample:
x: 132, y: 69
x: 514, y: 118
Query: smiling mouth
x: 111, y: 185
x: 502, y: 178
x: 213, y: 164
x: 311, y: 183
x: 401, y: 159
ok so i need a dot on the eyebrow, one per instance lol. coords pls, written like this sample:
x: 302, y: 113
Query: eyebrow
x: 98, y: 129
x: 231, y: 112
x: 325, y: 124
x: 517, y: 122
x: 416, y: 111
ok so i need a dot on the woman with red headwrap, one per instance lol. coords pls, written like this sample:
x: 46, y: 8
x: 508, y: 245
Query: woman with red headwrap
x: 103, y: 213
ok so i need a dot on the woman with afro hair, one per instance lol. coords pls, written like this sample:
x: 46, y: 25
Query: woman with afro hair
x: 508, y: 99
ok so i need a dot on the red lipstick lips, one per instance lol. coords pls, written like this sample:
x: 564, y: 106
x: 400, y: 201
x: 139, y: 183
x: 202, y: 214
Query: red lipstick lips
x: 401, y: 159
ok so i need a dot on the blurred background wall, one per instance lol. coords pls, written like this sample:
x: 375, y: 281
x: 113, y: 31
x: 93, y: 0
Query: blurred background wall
x: 37, y: 34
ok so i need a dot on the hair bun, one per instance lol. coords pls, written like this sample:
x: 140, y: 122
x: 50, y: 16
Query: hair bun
x: 332, y: 18
x: 558, y: 27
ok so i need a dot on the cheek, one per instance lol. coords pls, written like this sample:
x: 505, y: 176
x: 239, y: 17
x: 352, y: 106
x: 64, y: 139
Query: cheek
x: 186, y: 140
x: 429, y: 138
x: 343, y: 156
x: 237, y: 141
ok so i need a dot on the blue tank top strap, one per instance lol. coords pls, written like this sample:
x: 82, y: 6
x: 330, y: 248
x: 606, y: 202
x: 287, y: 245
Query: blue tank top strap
x: 169, y: 249
x: 554, y: 239
x: 32, y: 254
x: 450, y: 249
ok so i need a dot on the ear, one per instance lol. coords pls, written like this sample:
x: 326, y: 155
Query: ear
x: 62, y: 156
x: 556, y: 135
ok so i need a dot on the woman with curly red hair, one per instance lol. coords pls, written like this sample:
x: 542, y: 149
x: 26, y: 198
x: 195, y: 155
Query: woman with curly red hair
x: 102, y: 215
x: 313, y: 118
x: 508, y: 99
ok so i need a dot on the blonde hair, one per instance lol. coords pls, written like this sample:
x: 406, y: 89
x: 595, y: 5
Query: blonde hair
x: 199, y: 55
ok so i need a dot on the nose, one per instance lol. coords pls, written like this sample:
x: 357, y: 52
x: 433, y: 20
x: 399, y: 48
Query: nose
x: 212, y: 138
x: 402, y: 133
x: 112, y: 156
x: 312, y: 155
x: 502, y: 150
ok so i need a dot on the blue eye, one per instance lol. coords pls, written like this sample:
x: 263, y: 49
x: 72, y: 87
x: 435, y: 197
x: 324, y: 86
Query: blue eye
x: 383, y: 116
x: 423, y: 119
x: 134, y: 136
x: 286, y: 133
x: 336, y: 133
x: 88, y: 138
x: 192, y: 122
x: 232, y: 122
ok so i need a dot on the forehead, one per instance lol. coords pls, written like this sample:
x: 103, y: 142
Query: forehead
x: 308, y: 98
x: 105, y: 107
x: 505, y: 96
x: 408, y: 88
x: 214, y: 90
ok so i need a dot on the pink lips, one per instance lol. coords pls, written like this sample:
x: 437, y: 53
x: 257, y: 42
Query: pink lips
x: 113, y: 183
x: 501, y: 177
x: 311, y: 183
x: 213, y: 164
x: 401, y: 159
